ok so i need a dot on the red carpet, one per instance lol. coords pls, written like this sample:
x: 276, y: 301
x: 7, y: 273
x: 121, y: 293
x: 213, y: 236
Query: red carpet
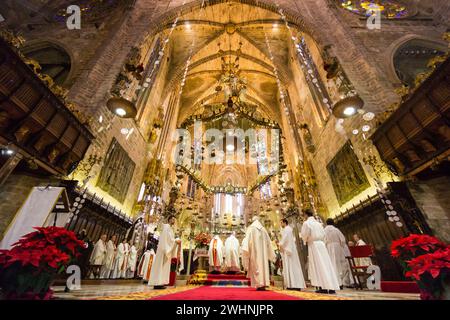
x: 400, y: 286
x: 224, y: 293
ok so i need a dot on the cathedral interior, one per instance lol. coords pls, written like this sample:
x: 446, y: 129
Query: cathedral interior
x: 118, y: 114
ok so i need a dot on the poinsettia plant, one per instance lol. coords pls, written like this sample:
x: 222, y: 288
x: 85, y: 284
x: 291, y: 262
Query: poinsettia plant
x: 29, y: 267
x: 426, y: 259
x: 431, y: 272
x: 414, y: 245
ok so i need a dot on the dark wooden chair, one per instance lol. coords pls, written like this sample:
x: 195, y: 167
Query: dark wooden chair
x: 359, y: 272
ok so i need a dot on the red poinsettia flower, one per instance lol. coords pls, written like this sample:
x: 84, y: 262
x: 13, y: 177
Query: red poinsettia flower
x: 414, y: 245
x: 434, y: 264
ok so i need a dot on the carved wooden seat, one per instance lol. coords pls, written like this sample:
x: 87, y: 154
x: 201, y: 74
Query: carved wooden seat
x: 10, y: 80
x: 21, y: 101
x: 36, y: 121
x: 64, y: 144
x: 51, y: 132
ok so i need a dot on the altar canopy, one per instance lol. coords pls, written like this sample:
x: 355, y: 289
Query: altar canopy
x: 38, y: 210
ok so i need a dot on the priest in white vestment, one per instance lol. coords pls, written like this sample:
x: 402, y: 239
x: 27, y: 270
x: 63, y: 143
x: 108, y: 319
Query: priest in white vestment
x: 167, y: 249
x: 216, y: 253
x: 347, y: 279
x: 335, y: 242
x: 361, y: 261
x: 257, y: 252
x: 232, y: 253
x: 109, y: 259
x: 132, y: 261
x: 145, y: 265
x: 292, y: 269
x: 320, y: 268
x: 98, y: 256
x: 120, y: 263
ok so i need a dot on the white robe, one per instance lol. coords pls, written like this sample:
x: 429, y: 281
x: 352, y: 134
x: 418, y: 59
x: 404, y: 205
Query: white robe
x: 160, y: 273
x: 98, y: 253
x: 257, y: 252
x: 320, y: 268
x: 132, y: 260
x: 362, y: 261
x: 109, y: 260
x: 292, y: 269
x: 232, y: 253
x: 216, y: 249
x: 335, y: 242
x: 347, y: 279
x: 120, y: 263
x: 145, y: 265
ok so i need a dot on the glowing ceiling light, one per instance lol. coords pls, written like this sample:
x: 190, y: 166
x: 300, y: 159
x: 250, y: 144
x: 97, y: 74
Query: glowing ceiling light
x: 349, y: 111
x: 120, y: 112
x: 230, y: 147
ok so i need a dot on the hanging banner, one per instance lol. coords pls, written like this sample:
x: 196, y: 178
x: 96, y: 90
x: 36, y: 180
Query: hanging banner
x: 37, y: 211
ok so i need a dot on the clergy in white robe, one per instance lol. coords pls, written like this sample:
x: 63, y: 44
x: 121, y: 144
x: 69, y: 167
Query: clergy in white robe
x: 120, y: 262
x: 132, y: 261
x: 321, y: 272
x: 335, y: 242
x: 258, y: 251
x: 215, y: 253
x: 244, y: 257
x: 232, y: 253
x: 361, y: 261
x: 98, y: 255
x: 109, y: 258
x: 292, y: 269
x: 167, y: 245
x: 145, y: 265
x: 347, y: 279
x: 99, y: 252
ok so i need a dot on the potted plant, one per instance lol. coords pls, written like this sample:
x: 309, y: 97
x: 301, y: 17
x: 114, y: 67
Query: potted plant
x: 427, y: 260
x: 432, y: 274
x: 28, y: 269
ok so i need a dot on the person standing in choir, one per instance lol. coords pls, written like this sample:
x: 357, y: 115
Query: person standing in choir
x: 292, y: 269
x: 320, y: 268
x: 215, y: 254
x: 232, y: 253
x: 120, y: 260
x: 145, y: 265
x: 335, y: 242
x: 132, y: 260
x: 108, y: 267
x: 167, y: 249
x: 257, y: 252
x: 347, y: 279
x: 125, y: 262
x: 98, y: 256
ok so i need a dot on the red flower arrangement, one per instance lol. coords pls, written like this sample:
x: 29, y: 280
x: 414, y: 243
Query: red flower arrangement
x: 431, y: 271
x: 27, y: 270
x: 414, y: 245
x: 202, y: 239
x: 426, y: 260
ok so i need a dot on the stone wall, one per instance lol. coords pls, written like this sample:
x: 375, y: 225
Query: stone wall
x: 433, y: 199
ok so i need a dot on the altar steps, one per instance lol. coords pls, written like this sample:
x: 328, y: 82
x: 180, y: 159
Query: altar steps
x: 227, y: 280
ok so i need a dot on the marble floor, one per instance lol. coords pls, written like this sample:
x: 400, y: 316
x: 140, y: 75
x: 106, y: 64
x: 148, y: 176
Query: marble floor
x: 135, y: 290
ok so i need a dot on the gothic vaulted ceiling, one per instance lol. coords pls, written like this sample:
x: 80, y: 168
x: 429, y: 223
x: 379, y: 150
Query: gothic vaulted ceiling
x: 229, y: 30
